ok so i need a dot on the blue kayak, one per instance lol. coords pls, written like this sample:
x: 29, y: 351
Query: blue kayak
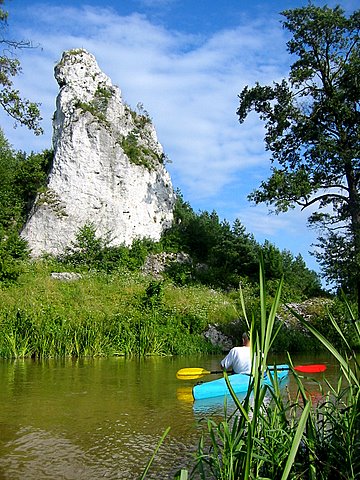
x: 238, y: 381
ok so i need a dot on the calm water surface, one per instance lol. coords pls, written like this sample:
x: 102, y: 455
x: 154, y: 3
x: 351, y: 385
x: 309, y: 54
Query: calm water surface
x: 102, y: 418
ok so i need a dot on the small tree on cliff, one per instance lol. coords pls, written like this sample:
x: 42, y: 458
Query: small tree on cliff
x: 21, y: 110
x: 312, y: 121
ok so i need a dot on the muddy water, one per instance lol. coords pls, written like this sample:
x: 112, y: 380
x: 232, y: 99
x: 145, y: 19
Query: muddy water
x: 102, y: 418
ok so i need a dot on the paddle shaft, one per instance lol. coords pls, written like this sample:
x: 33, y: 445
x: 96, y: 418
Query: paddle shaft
x: 195, y: 372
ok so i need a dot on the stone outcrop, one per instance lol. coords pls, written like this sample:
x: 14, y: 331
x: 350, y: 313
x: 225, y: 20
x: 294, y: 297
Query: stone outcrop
x: 108, y: 166
x: 217, y: 338
x: 156, y: 264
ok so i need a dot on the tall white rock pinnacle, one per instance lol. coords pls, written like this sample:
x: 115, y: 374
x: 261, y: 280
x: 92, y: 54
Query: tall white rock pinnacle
x: 108, y: 166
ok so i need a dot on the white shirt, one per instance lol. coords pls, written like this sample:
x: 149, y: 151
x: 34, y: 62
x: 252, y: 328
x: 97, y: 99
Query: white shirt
x: 239, y: 358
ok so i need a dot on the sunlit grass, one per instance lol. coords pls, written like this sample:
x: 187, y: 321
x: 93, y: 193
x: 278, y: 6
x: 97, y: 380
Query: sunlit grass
x: 102, y: 314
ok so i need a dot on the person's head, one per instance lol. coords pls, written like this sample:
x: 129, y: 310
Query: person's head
x: 245, y: 339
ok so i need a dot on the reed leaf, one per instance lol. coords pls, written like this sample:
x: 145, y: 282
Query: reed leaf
x: 148, y: 465
x: 355, y: 322
x: 182, y: 475
x: 296, y: 441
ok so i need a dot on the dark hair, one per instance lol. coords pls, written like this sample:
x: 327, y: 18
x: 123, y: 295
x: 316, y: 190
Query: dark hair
x: 245, y: 337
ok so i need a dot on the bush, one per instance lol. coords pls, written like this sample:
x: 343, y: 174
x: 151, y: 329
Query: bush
x: 13, y: 250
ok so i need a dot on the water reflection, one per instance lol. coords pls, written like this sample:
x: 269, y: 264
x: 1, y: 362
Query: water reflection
x: 102, y: 418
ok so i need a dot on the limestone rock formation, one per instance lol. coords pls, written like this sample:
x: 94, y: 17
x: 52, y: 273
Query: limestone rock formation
x: 108, y: 166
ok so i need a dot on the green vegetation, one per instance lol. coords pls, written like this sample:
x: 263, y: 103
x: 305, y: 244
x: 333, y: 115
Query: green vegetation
x: 21, y: 110
x: 137, y: 152
x: 112, y: 308
x: 224, y: 255
x: 312, y: 127
x: 137, y: 144
x: 98, y: 106
x: 104, y: 314
x: 271, y: 436
x: 21, y: 177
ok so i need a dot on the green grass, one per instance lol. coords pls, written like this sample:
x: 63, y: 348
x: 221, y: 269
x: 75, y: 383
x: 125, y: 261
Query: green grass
x: 120, y: 313
x: 103, y: 314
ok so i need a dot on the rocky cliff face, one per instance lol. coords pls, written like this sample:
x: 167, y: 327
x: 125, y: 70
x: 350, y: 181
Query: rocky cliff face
x: 108, y: 167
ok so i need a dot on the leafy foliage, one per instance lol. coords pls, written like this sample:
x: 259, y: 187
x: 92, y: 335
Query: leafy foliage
x: 12, y: 251
x: 223, y: 255
x: 21, y: 177
x: 91, y: 252
x: 271, y: 435
x: 312, y: 122
x: 21, y: 110
x: 103, y: 314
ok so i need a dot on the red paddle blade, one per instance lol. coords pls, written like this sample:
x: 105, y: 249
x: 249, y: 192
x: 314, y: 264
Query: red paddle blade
x: 310, y: 368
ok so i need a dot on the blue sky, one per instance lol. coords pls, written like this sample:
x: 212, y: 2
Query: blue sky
x: 186, y: 61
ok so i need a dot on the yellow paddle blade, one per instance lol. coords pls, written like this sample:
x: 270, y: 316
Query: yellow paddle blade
x: 191, y: 372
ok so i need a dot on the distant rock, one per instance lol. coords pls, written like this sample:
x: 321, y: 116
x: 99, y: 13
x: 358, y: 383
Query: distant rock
x: 65, y: 276
x: 108, y: 167
x: 217, y: 338
x: 156, y: 264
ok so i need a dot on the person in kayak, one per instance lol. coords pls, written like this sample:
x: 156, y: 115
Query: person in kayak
x: 239, y: 358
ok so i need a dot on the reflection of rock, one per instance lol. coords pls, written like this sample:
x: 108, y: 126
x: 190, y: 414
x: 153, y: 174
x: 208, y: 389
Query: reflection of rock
x: 108, y: 166
x: 217, y: 338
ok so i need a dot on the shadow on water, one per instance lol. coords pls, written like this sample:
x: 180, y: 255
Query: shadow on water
x: 102, y: 418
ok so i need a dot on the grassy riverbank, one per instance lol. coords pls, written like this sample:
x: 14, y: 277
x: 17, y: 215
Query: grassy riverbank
x: 124, y: 313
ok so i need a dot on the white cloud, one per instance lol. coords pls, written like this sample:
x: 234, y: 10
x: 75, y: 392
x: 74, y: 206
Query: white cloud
x: 189, y: 84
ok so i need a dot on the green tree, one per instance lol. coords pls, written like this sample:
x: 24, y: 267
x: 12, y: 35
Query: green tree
x: 21, y: 177
x: 86, y: 250
x: 175, y: 238
x: 12, y: 251
x: 235, y: 255
x: 298, y: 278
x: 10, y: 205
x: 21, y: 110
x: 312, y: 131
x: 30, y: 176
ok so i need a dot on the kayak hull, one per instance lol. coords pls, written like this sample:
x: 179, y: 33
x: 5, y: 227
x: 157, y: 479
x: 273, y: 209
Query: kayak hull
x: 238, y: 381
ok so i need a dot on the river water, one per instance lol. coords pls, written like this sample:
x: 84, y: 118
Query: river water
x: 102, y: 418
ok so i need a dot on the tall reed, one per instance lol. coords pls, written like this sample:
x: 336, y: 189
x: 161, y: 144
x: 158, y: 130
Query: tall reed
x: 260, y: 439
x: 273, y: 436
